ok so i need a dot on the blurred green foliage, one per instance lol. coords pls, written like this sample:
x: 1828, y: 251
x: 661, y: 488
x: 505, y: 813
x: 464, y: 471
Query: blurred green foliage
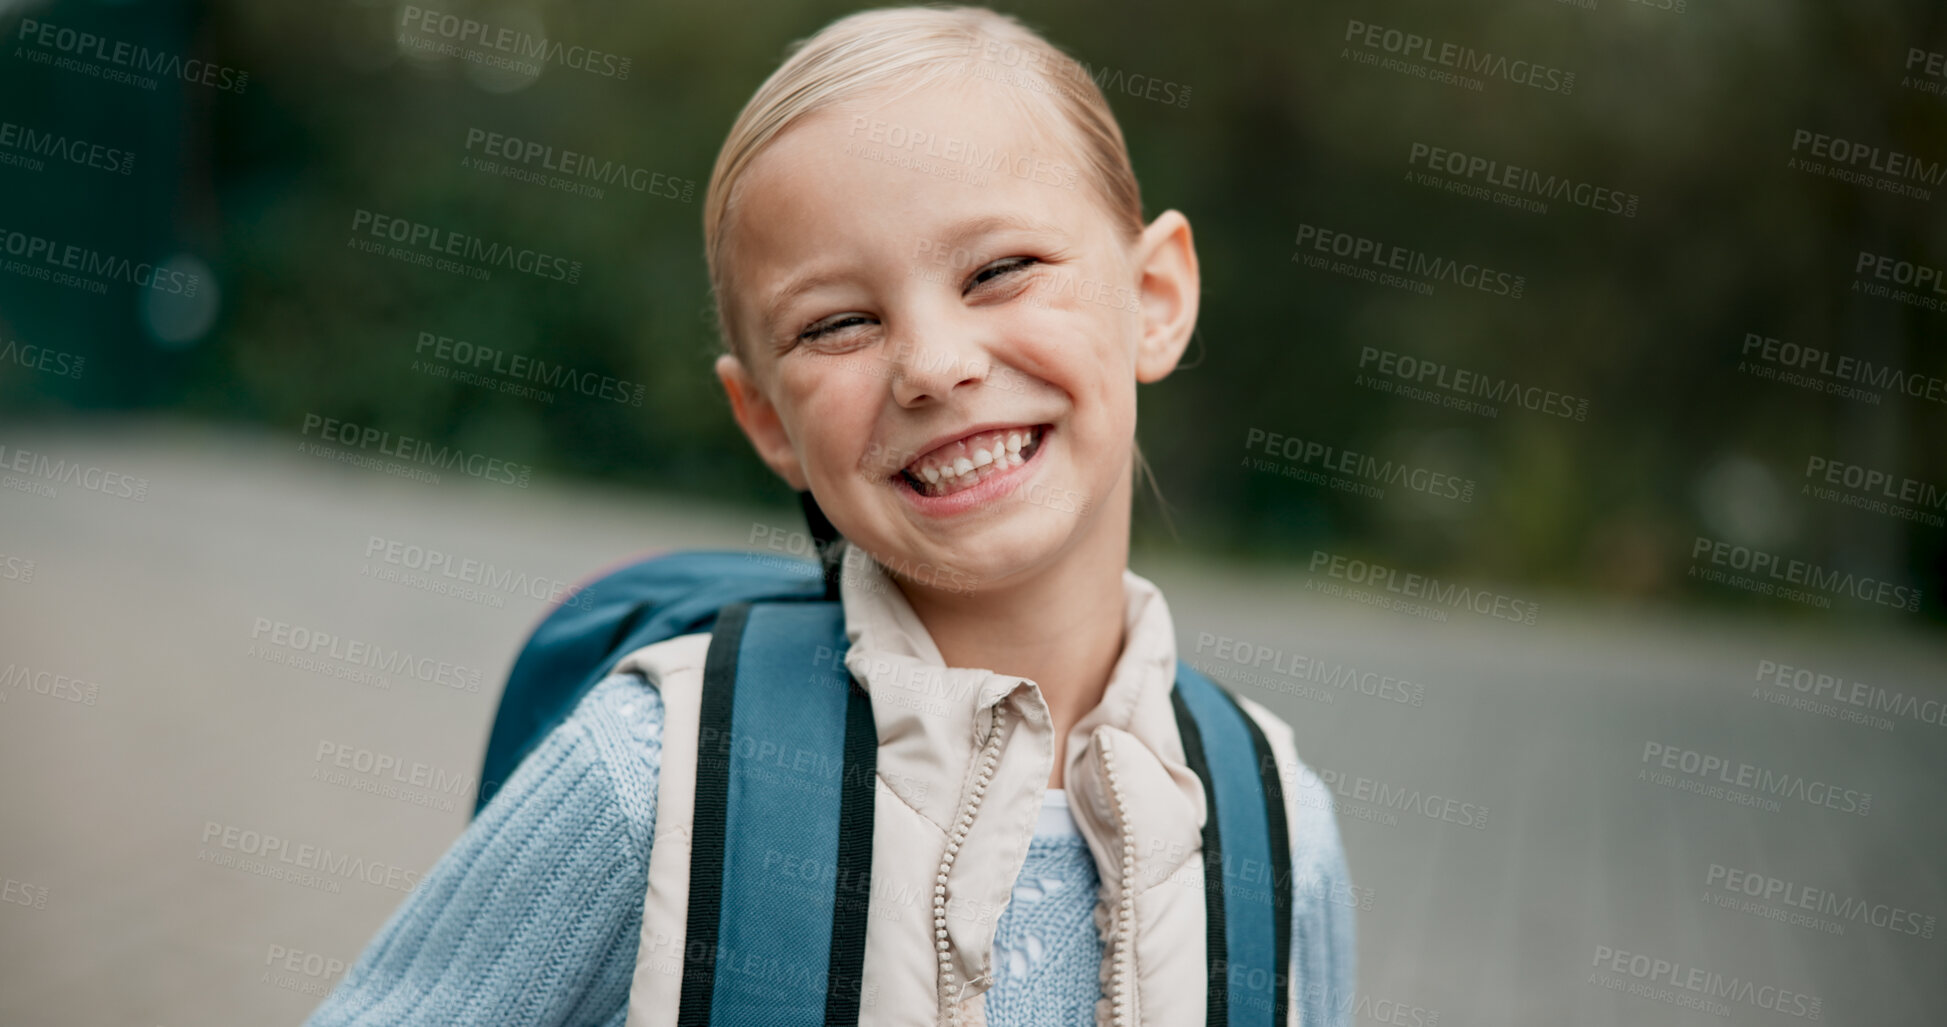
x: 1644, y: 317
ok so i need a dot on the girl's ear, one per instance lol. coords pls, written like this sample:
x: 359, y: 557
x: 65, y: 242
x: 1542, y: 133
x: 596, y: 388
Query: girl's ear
x: 1166, y: 257
x: 758, y: 417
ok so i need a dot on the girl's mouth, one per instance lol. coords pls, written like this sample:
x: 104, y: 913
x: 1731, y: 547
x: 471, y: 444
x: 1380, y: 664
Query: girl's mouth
x: 969, y: 463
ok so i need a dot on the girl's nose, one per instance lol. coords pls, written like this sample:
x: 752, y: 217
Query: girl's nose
x: 930, y: 365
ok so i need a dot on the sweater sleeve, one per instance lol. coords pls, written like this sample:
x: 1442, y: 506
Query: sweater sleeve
x: 1324, y: 901
x: 533, y: 916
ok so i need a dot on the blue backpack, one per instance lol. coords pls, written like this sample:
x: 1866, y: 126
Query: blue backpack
x: 770, y: 620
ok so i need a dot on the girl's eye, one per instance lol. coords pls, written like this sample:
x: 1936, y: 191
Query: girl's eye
x: 820, y: 329
x: 1000, y: 268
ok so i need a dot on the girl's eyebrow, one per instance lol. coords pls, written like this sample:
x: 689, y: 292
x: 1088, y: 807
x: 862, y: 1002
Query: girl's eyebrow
x: 774, y: 309
x: 952, y: 236
x: 987, y: 223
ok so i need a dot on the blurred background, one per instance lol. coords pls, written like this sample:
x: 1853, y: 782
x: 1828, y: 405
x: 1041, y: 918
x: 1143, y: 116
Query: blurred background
x: 1657, y: 355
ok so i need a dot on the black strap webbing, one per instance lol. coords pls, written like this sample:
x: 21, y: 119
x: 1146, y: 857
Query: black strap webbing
x: 1216, y: 949
x: 824, y: 539
x: 852, y: 885
x: 844, y: 984
x: 707, y: 828
x: 1281, y: 868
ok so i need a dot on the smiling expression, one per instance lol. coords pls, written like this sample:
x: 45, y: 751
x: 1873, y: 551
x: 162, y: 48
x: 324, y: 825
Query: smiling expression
x: 939, y: 329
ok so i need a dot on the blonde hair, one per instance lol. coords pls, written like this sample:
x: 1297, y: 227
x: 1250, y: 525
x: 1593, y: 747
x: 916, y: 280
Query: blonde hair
x: 910, y: 47
x: 894, y: 49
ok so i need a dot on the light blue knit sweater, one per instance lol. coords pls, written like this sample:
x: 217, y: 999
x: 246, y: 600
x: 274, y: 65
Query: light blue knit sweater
x: 534, y: 915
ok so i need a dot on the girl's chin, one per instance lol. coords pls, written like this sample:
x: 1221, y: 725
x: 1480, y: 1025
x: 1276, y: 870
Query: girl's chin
x: 991, y: 556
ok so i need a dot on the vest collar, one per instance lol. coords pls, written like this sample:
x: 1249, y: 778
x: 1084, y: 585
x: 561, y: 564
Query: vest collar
x: 900, y: 665
x: 932, y: 721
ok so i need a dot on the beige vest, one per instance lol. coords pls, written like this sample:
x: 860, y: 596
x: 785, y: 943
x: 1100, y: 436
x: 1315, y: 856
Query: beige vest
x: 935, y: 728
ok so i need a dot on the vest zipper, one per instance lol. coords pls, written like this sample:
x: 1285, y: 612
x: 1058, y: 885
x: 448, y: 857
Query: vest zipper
x: 989, y: 758
x: 1123, y: 974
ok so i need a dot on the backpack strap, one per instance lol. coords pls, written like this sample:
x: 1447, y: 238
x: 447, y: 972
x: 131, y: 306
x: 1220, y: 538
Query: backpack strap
x: 824, y: 544
x: 583, y: 639
x: 1247, y: 926
x: 779, y: 813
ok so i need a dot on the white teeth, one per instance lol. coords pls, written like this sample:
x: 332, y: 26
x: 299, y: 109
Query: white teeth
x: 1002, y: 453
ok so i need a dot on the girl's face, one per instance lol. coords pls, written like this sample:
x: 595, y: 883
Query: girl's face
x: 941, y: 331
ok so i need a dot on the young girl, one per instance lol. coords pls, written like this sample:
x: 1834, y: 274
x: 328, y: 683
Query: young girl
x: 937, y: 296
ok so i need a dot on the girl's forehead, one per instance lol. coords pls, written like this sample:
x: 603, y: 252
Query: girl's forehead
x: 960, y: 109
x: 871, y: 186
x: 940, y: 145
